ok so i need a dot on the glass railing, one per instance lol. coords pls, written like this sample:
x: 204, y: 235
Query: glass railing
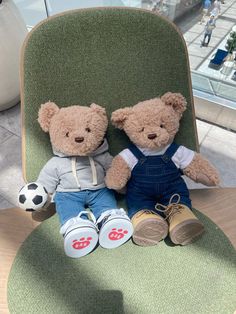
x: 213, y: 86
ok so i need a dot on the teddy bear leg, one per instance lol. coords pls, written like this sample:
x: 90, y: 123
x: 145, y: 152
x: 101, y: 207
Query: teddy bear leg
x: 184, y: 226
x: 149, y: 228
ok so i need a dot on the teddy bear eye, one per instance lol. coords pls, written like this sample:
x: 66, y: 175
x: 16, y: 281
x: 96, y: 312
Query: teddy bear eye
x: 162, y: 126
x: 67, y: 134
x: 88, y: 130
x: 141, y: 130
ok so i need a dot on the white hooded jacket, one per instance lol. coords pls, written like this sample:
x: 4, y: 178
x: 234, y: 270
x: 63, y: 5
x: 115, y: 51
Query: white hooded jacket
x: 75, y: 173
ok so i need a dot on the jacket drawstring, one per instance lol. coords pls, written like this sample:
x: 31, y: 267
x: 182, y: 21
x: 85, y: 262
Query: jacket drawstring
x: 93, y: 168
x: 94, y: 172
x: 73, y: 164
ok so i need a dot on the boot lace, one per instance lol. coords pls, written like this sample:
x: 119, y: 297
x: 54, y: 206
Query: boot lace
x: 171, y: 209
x: 145, y: 211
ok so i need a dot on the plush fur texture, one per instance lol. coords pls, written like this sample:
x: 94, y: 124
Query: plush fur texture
x: 153, y: 124
x: 152, y: 116
x: 75, y: 130
x: 200, y: 170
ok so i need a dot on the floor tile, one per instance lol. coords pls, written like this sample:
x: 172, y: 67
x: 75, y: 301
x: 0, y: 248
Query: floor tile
x: 224, y: 136
x: 11, y: 174
x: 195, y: 50
x: 227, y: 118
x: 230, y: 15
x: 220, y: 32
x: 203, y: 129
x: 198, y: 40
x: 197, y: 28
x: 195, y: 62
x: 10, y: 119
x: 224, y: 24
x: 190, y: 36
x: 4, y: 135
x: 222, y: 156
x: 5, y: 204
x: 219, y: 147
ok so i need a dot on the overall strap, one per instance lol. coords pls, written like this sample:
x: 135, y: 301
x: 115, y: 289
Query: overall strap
x: 171, y: 150
x: 136, y: 152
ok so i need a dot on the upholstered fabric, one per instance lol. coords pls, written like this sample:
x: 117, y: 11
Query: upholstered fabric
x: 199, y: 278
x: 111, y: 56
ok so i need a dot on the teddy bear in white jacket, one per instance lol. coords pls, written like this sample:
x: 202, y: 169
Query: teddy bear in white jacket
x: 76, y: 175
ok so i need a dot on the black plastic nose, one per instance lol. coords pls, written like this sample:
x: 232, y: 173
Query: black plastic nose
x: 79, y: 139
x: 152, y: 136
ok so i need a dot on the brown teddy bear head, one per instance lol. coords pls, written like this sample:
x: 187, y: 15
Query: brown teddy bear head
x: 153, y: 123
x: 74, y: 130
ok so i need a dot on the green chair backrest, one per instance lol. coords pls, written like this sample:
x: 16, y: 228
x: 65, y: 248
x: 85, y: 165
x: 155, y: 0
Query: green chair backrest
x: 114, y: 57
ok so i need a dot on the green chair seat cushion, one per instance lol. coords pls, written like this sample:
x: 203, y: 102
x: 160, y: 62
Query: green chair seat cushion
x: 199, y: 278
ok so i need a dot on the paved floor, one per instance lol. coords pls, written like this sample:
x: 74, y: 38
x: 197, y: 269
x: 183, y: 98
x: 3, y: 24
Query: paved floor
x: 193, y: 33
x: 217, y: 144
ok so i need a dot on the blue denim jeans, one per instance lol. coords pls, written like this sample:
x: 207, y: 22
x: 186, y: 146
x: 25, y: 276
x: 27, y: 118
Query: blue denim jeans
x: 208, y: 37
x: 146, y: 196
x: 70, y: 204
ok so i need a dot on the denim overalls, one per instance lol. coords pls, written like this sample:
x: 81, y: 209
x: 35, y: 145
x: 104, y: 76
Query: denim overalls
x: 155, y: 179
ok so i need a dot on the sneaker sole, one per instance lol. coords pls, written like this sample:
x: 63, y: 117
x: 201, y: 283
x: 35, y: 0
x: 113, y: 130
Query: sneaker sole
x: 150, y: 232
x: 115, y: 232
x: 187, y: 232
x: 80, y: 241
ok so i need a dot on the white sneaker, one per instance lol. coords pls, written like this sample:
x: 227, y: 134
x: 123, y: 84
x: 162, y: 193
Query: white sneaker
x: 116, y: 228
x: 80, y: 237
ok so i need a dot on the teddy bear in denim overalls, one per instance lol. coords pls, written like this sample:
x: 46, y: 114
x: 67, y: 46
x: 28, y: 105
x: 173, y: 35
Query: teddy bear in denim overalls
x: 152, y: 167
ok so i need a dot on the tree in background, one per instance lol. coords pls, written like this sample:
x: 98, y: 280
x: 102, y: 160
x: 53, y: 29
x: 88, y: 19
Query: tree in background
x: 231, y: 42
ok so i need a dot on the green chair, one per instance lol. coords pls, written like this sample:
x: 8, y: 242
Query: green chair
x: 114, y: 57
x: 111, y: 56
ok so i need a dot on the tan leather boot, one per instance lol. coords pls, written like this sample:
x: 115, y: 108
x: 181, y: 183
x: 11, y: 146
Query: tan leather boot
x: 184, y: 226
x: 149, y: 228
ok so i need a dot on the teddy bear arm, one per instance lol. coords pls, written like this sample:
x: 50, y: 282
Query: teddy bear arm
x: 118, y: 174
x: 200, y: 170
x: 48, y: 177
x: 107, y: 161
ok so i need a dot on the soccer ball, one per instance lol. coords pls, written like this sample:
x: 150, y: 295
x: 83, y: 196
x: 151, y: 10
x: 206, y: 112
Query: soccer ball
x: 32, y: 196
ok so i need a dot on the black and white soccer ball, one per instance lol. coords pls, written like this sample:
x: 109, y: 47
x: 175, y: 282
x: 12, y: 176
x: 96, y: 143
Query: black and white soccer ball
x: 32, y: 196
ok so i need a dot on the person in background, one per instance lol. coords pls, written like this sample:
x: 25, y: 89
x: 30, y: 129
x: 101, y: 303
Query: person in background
x: 216, y: 9
x: 210, y: 25
x: 205, y: 10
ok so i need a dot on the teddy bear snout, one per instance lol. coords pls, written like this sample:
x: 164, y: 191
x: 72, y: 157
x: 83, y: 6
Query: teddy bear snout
x: 151, y: 136
x: 79, y: 139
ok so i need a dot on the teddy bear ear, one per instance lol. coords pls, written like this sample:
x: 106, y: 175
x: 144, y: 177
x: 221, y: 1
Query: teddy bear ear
x: 119, y: 116
x: 98, y: 109
x: 176, y: 100
x: 46, y: 112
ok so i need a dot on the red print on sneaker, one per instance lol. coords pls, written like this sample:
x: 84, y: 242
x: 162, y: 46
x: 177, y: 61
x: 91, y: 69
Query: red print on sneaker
x: 82, y: 243
x: 117, y: 234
